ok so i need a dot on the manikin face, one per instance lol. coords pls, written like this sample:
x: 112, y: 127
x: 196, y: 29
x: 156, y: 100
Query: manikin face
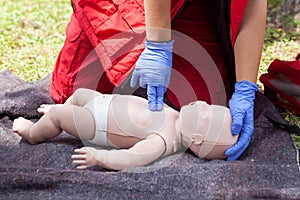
x: 206, y: 129
x: 191, y: 120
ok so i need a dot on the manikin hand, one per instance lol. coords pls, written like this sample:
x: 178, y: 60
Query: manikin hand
x: 85, y: 157
x: 153, y: 68
x: 241, y: 107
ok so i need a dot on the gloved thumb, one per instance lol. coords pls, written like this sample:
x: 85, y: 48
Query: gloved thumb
x: 134, y: 79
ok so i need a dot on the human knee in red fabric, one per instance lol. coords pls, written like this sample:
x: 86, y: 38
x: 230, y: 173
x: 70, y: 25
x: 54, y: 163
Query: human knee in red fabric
x: 77, y: 66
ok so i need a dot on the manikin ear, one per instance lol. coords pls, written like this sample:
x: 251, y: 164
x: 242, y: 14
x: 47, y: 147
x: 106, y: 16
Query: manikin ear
x: 196, y: 139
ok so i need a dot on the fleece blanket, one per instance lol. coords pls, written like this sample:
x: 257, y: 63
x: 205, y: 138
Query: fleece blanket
x: 269, y: 168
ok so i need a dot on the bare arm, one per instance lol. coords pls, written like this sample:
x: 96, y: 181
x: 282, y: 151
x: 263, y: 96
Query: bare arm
x: 141, y: 154
x: 158, y: 20
x: 249, y: 42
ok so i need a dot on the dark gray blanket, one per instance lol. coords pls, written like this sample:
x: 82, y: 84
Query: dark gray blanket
x: 268, y: 169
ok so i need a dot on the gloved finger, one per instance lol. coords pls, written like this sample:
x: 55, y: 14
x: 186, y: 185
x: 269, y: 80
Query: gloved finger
x: 248, y: 126
x: 238, y: 154
x: 151, y: 93
x: 247, y: 131
x: 237, y: 122
x: 134, y: 79
x: 160, y: 90
x: 236, y: 150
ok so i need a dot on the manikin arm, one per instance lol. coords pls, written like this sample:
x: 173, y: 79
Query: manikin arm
x: 141, y: 154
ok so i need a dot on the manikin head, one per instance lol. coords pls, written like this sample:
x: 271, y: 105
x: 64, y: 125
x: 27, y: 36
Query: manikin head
x: 206, y: 129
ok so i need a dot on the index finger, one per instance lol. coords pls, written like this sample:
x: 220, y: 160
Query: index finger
x: 151, y: 93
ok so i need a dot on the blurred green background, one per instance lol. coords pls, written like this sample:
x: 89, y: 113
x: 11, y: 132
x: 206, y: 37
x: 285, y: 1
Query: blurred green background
x: 31, y: 35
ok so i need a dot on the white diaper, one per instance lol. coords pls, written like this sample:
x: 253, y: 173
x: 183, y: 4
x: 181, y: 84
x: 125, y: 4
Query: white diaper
x: 99, y: 108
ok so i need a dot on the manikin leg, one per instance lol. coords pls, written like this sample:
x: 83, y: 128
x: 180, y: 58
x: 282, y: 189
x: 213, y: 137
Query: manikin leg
x: 74, y: 119
x: 79, y: 98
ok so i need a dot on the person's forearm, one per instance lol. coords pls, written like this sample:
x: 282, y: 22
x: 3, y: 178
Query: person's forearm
x: 250, y: 40
x: 158, y: 20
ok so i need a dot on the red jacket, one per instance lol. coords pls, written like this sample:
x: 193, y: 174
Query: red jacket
x: 115, y: 29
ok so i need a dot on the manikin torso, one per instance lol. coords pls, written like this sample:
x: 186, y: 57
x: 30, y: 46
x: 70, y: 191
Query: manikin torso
x: 205, y: 129
x: 130, y: 121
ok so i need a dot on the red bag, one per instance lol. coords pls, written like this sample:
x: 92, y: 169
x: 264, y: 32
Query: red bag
x: 282, y: 83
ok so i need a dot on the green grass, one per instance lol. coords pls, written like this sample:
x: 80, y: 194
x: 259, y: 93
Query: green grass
x: 32, y: 34
x: 282, y: 42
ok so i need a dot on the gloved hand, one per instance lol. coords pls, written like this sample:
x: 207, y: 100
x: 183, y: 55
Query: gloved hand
x: 153, y: 68
x: 241, y: 107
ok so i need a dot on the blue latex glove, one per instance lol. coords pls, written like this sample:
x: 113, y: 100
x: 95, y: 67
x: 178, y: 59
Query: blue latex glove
x: 153, y: 68
x: 241, y: 107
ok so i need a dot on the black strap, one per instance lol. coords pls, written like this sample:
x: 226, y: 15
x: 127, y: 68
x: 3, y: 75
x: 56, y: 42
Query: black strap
x: 179, y: 13
x: 281, y: 123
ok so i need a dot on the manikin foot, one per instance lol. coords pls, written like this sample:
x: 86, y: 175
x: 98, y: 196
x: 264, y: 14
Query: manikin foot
x: 22, y: 126
x: 44, y: 108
